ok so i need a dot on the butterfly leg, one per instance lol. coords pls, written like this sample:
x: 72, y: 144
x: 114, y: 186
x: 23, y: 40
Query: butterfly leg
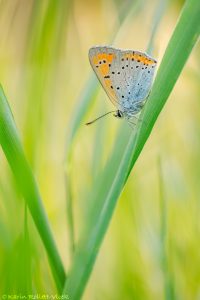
x: 131, y: 124
x: 139, y: 119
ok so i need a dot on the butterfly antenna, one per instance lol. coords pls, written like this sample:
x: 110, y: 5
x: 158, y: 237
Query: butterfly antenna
x: 89, y: 123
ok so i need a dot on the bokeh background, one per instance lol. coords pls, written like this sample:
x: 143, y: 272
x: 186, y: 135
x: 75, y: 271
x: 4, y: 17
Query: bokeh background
x: 151, y: 250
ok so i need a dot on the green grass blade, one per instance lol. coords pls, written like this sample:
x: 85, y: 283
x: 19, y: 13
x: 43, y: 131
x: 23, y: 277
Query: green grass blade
x: 12, y: 148
x: 69, y: 210
x: 88, y: 95
x: 185, y: 36
x: 159, y: 11
x: 179, y: 48
x: 47, y: 27
x: 26, y: 265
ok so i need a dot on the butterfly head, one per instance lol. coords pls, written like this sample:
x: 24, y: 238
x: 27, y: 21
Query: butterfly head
x: 118, y: 114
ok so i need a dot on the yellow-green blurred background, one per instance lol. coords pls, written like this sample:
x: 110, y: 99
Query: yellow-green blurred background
x: 151, y: 250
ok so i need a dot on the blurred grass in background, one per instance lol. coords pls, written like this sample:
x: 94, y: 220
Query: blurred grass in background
x: 151, y: 248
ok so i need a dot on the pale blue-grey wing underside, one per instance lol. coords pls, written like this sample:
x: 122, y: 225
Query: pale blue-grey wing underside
x: 130, y: 75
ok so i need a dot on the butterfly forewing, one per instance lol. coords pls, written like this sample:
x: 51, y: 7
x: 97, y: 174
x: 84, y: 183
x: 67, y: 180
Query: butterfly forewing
x: 101, y: 59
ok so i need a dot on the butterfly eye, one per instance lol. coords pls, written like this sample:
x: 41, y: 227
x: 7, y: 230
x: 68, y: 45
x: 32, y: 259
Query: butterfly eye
x: 119, y: 114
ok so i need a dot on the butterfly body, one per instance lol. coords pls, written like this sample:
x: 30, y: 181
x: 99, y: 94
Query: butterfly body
x: 125, y: 75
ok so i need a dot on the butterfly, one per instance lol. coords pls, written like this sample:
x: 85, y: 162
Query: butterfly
x: 126, y: 77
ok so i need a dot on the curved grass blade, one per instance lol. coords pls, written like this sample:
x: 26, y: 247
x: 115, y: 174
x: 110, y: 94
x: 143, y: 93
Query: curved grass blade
x: 10, y: 142
x: 157, y: 17
x: 185, y: 36
x: 178, y: 50
x: 88, y: 94
x: 87, y: 97
x: 47, y: 26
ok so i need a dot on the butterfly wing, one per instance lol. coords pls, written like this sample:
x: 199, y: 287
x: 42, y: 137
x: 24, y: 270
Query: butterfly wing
x: 101, y: 60
x: 136, y: 76
x: 126, y: 75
